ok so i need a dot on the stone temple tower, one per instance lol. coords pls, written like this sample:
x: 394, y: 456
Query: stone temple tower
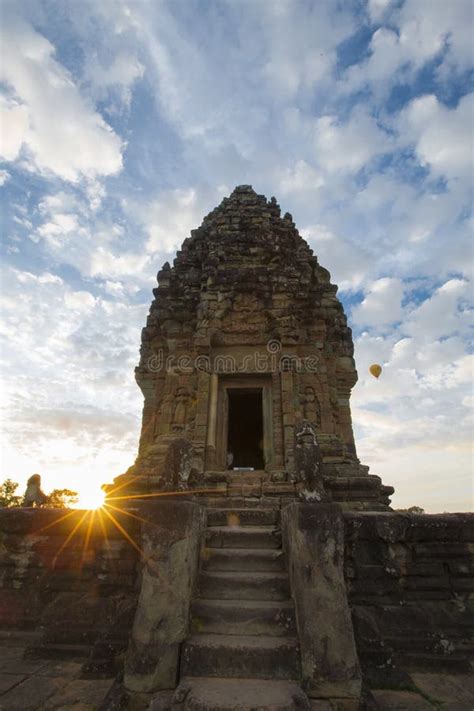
x: 246, y: 361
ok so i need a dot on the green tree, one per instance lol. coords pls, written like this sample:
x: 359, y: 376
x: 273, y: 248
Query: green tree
x: 8, y: 497
x: 411, y: 509
x: 62, y: 498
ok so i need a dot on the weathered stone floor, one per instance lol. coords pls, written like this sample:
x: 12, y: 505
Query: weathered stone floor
x: 446, y: 692
x: 437, y: 692
x: 44, y: 684
x: 53, y: 685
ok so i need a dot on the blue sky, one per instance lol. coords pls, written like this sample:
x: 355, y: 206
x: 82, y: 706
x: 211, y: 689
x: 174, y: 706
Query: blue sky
x: 125, y: 122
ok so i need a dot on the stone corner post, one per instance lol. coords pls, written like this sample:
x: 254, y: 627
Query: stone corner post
x: 171, y: 539
x: 314, y: 545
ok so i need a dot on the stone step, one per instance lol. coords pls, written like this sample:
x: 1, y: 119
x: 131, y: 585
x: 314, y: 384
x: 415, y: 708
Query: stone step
x: 19, y: 638
x: 243, y: 586
x: 243, y: 617
x: 236, y: 517
x: 245, y: 489
x: 243, y: 694
x: 217, y: 655
x: 240, y: 559
x: 50, y: 650
x: 243, y: 537
x: 236, y: 477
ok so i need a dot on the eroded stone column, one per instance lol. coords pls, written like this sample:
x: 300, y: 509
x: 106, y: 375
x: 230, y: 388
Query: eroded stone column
x: 314, y: 544
x: 212, y: 423
x: 170, y: 542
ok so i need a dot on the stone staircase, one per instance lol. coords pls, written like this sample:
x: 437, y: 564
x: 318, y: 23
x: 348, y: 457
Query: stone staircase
x: 243, y: 648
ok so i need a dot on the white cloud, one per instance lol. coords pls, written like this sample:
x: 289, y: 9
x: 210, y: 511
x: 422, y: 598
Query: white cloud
x: 426, y: 27
x: 289, y: 69
x: 13, y: 128
x: 74, y: 235
x: 349, y: 146
x: 382, y: 305
x: 95, y: 193
x: 443, y: 137
x: 61, y: 130
x: 445, y: 313
x: 386, y: 57
x: 119, y: 74
x: 170, y: 218
x: 81, y: 301
x: 46, y: 278
x: 378, y: 8
x: 413, y: 425
x: 418, y: 31
x: 116, y: 288
x: 76, y: 351
x: 105, y: 263
x: 349, y: 263
x: 300, y: 178
x: 62, y: 224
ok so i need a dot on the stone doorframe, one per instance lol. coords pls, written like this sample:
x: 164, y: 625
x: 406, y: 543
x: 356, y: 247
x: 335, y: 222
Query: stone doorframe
x: 218, y: 420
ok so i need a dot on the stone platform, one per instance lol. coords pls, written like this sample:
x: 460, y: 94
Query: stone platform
x: 56, y: 684
x: 237, y: 614
x: 35, y: 684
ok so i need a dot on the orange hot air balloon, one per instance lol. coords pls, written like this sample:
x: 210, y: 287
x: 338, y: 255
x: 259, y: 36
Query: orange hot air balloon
x: 375, y: 370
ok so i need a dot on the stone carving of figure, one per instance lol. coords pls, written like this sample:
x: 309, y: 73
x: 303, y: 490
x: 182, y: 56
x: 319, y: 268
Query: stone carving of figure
x: 33, y: 494
x: 311, y: 406
x: 308, y: 464
x: 178, y: 465
x: 180, y: 412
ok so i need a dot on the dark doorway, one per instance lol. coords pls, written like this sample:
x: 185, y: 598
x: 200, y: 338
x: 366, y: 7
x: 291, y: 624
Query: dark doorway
x: 245, y: 438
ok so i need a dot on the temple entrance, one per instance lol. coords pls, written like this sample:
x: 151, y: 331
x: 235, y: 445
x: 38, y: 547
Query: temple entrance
x: 245, y: 428
x: 243, y: 431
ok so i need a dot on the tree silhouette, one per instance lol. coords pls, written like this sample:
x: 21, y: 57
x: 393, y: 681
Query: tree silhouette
x: 8, y: 497
x: 58, y: 498
x: 62, y: 498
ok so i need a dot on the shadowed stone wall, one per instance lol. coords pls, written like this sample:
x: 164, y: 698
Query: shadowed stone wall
x: 410, y: 583
x: 74, y: 583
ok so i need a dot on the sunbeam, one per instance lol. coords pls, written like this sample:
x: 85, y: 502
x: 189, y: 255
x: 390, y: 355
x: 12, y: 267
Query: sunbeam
x: 127, y: 513
x: 87, y: 536
x: 104, y: 530
x: 55, y: 522
x: 124, y: 532
x: 160, y: 494
x: 69, y: 537
x: 121, y: 486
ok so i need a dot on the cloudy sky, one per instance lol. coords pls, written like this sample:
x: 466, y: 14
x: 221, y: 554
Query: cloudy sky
x: 124, y: 122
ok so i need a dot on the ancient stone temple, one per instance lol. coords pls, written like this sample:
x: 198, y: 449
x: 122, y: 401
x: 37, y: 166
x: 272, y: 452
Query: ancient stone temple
x: 246, y: 357
x: 247, y: 560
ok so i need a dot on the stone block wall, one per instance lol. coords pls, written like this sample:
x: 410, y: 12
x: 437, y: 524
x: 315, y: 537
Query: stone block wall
x: 70, y: 575
x: 410, y: 583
